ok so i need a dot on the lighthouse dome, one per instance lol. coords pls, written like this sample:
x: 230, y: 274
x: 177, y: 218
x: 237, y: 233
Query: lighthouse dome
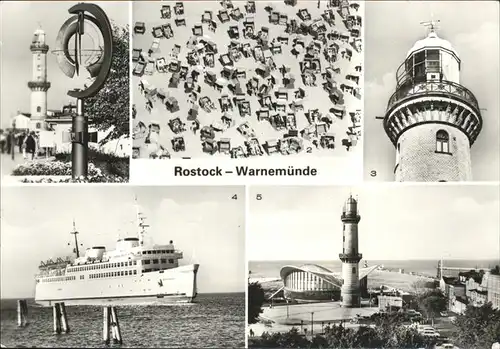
x: 432, y: 40
x: 351, y: 200
x: 39, y: 36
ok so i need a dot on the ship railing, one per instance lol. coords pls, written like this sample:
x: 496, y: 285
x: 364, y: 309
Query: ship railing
x: 59, y: 272
x: 422, y: 88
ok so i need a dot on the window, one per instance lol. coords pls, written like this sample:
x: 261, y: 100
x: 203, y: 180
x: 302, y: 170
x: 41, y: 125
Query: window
x: 155, y: 261
x: 38, y: 109
x: 164, y: 260
x: 354, y: 270
x: 442, y: 142
x: 170, y: 260
x: 147, y: 261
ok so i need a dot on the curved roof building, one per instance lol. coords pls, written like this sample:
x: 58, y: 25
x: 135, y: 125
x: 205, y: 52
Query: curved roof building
x: 312, y: 282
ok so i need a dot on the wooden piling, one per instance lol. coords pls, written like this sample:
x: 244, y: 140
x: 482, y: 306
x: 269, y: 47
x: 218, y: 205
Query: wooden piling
x: 64, y: 317
x: 24, y: 305
x: 117, y: 335
x: 105, y: 324
x: 19, y: 314
x: 22, y: 313
x: 57, y: 320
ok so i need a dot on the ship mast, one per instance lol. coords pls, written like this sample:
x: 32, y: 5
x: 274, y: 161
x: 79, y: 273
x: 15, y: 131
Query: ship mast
x: 140, y: 223
x: 75, y: 233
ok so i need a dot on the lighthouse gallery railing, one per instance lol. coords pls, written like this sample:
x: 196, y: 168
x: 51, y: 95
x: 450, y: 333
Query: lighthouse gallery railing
x: 423, y: 88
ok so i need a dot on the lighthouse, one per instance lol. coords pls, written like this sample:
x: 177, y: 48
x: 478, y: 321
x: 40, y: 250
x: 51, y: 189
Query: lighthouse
x: 39, y: 84
x: 432, y: 119
x: 350, y: 256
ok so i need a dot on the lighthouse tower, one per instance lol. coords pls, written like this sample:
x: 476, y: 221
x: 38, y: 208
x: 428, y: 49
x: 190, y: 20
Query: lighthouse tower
x: 350, y: 255
x: 432, y: 119
x: 39, y: 84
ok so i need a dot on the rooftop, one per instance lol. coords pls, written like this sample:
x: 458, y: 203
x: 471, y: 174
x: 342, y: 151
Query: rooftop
x: 432, y: 40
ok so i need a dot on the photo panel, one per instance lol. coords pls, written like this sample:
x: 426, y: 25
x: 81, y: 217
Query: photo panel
x: 352, y: 266
x: 273, y: 83
x: 65, y: 111
x: 433, y: 82
x: 140, y: 266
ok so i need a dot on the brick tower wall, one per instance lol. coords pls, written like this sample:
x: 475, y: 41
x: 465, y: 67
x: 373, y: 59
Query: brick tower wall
x: 418, y: 160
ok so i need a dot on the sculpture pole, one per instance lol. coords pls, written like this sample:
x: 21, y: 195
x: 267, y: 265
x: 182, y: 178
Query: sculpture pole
x: 79, y: 148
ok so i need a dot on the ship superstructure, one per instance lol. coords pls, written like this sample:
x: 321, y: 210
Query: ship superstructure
x: 133, y: 273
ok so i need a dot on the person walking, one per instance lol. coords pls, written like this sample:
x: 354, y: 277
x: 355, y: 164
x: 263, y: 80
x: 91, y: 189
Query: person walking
x: 20, y: 141
x: 9, y: 141
x: 31, y: 144
x: 3, y: 141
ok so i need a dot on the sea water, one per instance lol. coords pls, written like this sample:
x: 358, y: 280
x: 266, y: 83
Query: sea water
x: 214, y: 321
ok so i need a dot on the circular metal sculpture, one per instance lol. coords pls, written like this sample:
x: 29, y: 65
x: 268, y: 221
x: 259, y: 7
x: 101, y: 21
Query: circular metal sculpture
x: 89, y: 26
x: 97, y: 60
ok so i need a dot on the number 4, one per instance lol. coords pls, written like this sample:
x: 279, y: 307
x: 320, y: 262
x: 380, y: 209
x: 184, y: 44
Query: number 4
x: 235, y: 197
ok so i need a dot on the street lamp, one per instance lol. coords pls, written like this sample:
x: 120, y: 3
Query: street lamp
x: 13, y: 140
x: 312, y: 323
x: 97, y: 60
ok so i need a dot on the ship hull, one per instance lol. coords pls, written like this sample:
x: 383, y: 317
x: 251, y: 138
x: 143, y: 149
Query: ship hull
x: 147, y: 300
x: 165, y: 287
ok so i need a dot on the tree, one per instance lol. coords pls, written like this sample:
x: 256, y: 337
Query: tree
x: 109, y: 108
x: 477, y: 327
x: 338, y: 336
x: 432, y: 303
x: 496, y: 270
x: 256, y: 299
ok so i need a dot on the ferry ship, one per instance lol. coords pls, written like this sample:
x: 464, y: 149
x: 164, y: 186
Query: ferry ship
x: 133, y: 273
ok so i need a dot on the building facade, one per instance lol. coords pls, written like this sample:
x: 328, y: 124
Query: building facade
x: 310, y: 282
x: 431, y: 118
x: 493, y: 289
x: 314, y: 283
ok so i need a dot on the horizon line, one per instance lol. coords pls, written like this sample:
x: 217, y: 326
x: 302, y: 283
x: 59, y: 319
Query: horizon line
x: 200, y: 293
x: 375, y: 259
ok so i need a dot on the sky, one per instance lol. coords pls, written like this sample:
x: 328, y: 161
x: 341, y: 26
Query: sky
x: 472, y: 27
x: 206, y: 223
x: 16, y: 57
x: 398, y: 222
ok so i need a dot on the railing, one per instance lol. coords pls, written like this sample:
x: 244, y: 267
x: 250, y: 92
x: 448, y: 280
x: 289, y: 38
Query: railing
x: 350, y: 255
x: 39, y: 84
x: 432, y: 88
x: 38, y: 46
x: 349, y: 215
